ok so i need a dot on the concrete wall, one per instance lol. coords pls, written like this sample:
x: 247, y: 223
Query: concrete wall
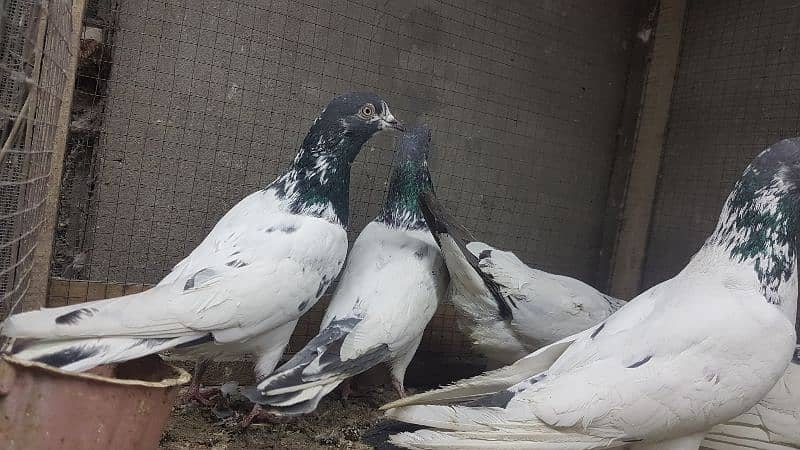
x: 735, y: 94
x: 209, y: 101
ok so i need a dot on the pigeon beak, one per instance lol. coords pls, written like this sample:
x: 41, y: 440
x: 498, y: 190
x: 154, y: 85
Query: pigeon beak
x: 394, y: 123
x: 389, y: 121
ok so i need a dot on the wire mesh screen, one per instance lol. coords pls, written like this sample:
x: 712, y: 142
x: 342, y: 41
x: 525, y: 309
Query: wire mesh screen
x: 189, y: 106
x: 736, y: 93
x: 34, y: 45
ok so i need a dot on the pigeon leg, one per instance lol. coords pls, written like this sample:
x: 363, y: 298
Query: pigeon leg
x: 347, y: 389
x: 258, y: 414
x: 196, y: 392
x: 398, y: 386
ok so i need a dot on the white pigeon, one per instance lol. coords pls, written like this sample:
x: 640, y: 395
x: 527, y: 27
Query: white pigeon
x: 773, y: 424
x: 547, y: 308
x: 263, y: 265
x: 390, y: 289
x: 684, y: 356
x: 506, y: 308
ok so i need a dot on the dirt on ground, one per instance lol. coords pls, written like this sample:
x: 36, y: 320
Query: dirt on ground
x: 355, y: 423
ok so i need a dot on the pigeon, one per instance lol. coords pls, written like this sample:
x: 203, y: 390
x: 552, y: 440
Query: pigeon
x: 394, y: 281
x: 263, y: 265
x: 684, y: 356
x: 506, y: 308
x: 773, y: 424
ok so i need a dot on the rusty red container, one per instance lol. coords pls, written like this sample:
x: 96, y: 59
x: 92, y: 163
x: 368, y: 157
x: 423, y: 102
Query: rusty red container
x: 120, y: 407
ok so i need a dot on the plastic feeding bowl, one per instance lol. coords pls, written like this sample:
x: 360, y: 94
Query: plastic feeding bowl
x: 120, y: 407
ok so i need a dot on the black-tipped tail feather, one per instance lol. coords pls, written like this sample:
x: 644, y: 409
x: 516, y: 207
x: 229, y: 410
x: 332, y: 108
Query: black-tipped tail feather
x: 298, y: 386
x: 78, y: 355
x: 440, y: 223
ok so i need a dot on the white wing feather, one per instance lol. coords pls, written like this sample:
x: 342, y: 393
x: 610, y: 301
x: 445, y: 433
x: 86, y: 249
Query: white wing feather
x: 248, y: 276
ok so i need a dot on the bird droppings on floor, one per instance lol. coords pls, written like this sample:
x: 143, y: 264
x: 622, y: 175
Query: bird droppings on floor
x: 335, y: 424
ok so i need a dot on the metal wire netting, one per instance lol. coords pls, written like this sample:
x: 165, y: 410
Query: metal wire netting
x: 184, y: 107
x: 34, y: 44
x: 735, y: 94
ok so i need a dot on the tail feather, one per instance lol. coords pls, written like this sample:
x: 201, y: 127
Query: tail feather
x: 490, y: 382
x: 482, y: 427
x: 467, y: 418
x: 719, y: 441
x: 298, y: 386
x: 49, y: 322
x: 78, y: 355
x: 134, y: 315
x: 434, y: 439
x: 451, y: 237
x: 748, y: 431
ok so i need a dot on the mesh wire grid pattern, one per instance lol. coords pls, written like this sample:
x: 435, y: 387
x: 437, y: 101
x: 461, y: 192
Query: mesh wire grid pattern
x: 735, y: 94
x: 35, y: 53
x: 208, y: 101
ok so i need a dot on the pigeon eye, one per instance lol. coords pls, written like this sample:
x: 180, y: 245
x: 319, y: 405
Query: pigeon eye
x: 366, y: 111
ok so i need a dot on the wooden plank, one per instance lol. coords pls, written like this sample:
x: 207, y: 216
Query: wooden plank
x: 643, y: 27
x: 631, y: 242
x: 40, y: 272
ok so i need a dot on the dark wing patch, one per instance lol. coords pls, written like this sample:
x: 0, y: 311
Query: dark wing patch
x: 152, y: 342
x: 640, y: 362
x: 70, y: 355
x: 288, y: 228
x: 73, y: 317
x: 485, y: 254
x: 284, y: 228
x: 498, y: 400
x: 201, y: 340
x: 323, y: 284
x: 236, y: 263
x: 503, y: 398
x: 302, y: 305
x: 199, y: 278
x: 597, y: 331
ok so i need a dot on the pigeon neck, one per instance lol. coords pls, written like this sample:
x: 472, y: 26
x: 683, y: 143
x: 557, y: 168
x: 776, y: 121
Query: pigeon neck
x: 317, y: 182
x: 758, y: 227
x: 401, y: 210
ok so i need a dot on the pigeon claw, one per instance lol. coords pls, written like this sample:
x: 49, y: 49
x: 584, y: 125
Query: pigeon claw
x: 259, y: 415
x: 202, y: 396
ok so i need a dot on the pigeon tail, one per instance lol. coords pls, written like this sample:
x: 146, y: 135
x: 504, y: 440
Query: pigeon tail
x: 79, y: 355
x: 442, y: 226
x: 298, y: 386
x: 491, y: 383
x: 738, y: 435
x: 436, y: 439
x: 459, y: 427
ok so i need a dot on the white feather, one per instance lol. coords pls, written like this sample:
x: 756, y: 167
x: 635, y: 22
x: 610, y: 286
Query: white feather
x: 393, y: 283
x: 247, y: 278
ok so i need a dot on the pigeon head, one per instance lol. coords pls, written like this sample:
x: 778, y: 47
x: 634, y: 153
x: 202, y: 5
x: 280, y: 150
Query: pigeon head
x: 410, y: 177
x: 347, y: 122
x: 361, y: 113
x: 318, y: 181
x: 759, y: 223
